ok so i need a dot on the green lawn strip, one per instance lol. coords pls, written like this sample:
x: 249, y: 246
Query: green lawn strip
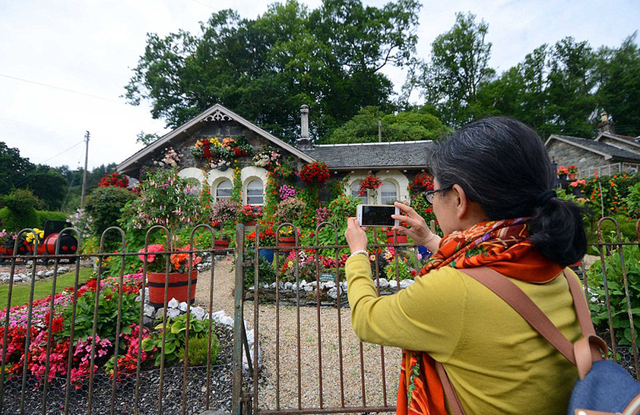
x: 20, y: 292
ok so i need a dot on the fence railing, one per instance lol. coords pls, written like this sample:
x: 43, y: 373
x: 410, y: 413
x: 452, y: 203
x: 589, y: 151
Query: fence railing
x: 98, y: 346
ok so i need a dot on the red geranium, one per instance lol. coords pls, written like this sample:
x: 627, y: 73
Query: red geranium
x: 422, y: 182
x: 114, y: 180
x: 316, y: 172
x: 370, y: 182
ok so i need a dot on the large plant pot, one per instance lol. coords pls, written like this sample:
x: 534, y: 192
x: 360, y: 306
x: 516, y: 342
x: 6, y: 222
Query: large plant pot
x: 6, y: 251
x: 266, y: 254
x: 178, y: 287
x: 572, y: 176
x: 286, y: 241
x: 221, y: 244
x: 399, y: 239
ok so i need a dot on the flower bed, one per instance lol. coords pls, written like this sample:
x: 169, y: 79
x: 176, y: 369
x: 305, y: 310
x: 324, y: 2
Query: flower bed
x: 50, y: 333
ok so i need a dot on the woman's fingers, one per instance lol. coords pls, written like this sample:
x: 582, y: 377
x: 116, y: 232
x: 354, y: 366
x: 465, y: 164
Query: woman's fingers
x: 356, y: 237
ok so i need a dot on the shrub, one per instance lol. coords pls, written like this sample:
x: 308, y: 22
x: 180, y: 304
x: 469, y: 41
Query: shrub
x: 175, y: 337
x: 165, y: 199
x: 105, y: 204
x: 19, y: 211
x: 225, y: 212
x: 199, y: 350
x: 343, y: 207
x: 291, y: 210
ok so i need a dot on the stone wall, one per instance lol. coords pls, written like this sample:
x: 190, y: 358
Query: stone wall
x: 563, y: 154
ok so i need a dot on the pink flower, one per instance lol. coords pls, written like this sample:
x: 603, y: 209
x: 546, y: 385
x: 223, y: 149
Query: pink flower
x: 151, y: 248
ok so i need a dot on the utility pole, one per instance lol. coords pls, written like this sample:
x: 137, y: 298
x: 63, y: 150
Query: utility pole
x: 379, y: 131
x: 84, y: 174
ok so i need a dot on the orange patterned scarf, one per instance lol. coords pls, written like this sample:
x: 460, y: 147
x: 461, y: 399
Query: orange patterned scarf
x: 499, y: 245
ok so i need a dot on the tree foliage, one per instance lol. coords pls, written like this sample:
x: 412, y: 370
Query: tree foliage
x: 402, y: 126
x: 618, y: 72
x: 556, y: 89
x: 458, y: 67
x: 328, y: 58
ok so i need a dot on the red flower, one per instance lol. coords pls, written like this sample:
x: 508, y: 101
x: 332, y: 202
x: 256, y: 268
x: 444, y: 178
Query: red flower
x: 316, y: 172
x: 370, y: 182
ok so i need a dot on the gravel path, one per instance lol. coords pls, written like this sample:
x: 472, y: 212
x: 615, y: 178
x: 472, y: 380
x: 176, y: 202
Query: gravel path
x: 280, y: 376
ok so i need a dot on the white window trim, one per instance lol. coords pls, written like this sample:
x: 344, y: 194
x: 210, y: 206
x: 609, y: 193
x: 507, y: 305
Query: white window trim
x: 250, y: 173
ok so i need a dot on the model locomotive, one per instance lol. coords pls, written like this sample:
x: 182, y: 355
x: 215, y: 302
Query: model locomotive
x: 46, y: 250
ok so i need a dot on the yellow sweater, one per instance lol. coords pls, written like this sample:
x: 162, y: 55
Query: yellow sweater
x: 497, y: 363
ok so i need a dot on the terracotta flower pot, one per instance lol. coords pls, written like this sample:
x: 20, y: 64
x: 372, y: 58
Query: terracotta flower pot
x: 572, y: 176
x: 177, y: 288
x: 221, y: 244
x: 250, y: 222
x: 286, y: 241
x: 399, y: 239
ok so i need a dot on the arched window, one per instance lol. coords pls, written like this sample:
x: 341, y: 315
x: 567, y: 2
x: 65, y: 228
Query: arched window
x: 195, y: 185
x: 355, y: 188
x: 255, y: 192
x: 388, y: 193
x: 223, y: 190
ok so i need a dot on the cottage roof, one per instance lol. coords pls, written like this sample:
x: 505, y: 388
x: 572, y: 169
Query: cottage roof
x: 623, y: 139
x: 401, y: 154
x: 608, y: 151
x: 215, y: 113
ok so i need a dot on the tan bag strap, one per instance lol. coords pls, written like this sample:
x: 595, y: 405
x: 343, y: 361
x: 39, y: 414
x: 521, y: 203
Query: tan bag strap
x: 582, y: 353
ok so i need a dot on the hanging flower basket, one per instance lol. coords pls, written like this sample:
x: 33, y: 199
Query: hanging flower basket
x: 372, y: 182
x: 315, y: 173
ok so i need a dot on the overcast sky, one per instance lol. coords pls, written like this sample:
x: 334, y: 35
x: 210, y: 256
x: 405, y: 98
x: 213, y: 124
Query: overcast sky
x: 64, y: 63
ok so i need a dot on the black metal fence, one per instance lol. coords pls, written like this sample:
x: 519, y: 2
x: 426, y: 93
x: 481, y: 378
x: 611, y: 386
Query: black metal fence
x: 301, y: 356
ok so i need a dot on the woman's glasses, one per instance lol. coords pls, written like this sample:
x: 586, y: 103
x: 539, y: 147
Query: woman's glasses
x: 428, y: 195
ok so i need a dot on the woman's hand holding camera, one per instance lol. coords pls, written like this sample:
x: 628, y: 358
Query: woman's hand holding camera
x: 356, y: 237
x: 418, y: 229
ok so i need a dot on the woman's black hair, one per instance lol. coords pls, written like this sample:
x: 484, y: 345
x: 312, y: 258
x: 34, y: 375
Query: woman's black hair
x: 503, y: 165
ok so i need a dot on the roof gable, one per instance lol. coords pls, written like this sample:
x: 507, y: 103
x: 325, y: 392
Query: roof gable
x: 629, y: 143
x: 215, y: 113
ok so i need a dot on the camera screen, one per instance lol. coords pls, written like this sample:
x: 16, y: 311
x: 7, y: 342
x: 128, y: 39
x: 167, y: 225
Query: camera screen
x: 377, y: 215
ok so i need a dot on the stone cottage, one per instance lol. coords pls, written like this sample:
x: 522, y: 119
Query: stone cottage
x: 607, y: 154
x: 396, y: 163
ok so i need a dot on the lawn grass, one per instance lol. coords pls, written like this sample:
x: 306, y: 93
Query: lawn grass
x: 20, y: 292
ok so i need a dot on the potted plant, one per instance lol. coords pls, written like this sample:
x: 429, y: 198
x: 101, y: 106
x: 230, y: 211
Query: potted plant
x: 286, y: 238
x: 562, y: 172
x: 225, y: 212
x: 180, y: 278
x: 266, y: 238
x: 222, y: 241
x: 6, y: 243
x: 249, y: 215
x: 315, y: 173
x: 371, y: 182
x: 572, y: 171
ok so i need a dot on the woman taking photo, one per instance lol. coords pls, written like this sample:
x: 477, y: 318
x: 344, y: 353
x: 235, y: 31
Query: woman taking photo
x: 494, y: 200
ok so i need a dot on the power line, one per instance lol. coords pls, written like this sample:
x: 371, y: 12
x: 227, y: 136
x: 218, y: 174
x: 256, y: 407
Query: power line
x: 61, y: 89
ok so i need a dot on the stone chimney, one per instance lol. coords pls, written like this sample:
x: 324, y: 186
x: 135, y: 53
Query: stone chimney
x: 304, y: 142
x: 606, y: 125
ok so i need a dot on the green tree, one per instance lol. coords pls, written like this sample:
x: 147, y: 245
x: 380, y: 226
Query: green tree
x: 618, y: 72
x: 13, y: 168
x: 266, y: 68
x: 571, y: 81
x: 403, y: 126
x: 458, y: 68
x: 47, y: 184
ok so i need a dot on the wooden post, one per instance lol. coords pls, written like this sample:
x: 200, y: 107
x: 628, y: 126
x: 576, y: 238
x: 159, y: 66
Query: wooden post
x: 84, y: 174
